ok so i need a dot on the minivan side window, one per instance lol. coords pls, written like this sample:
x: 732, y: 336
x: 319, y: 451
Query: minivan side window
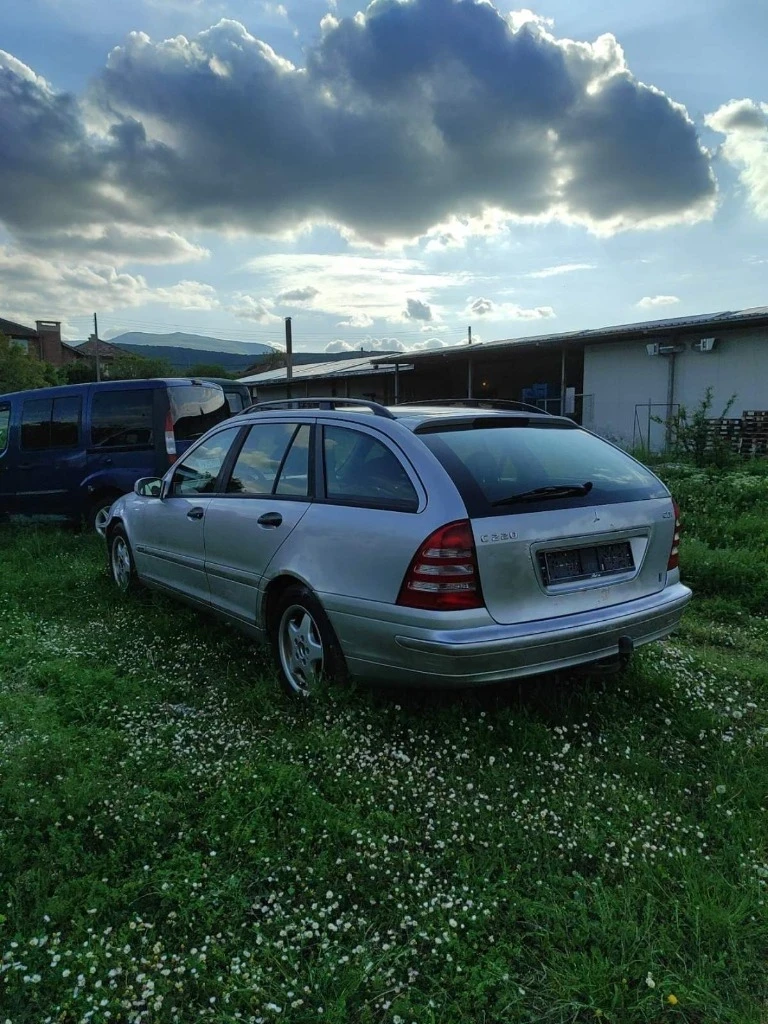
x: 50, y: 422
x: 197, y: 472
x: 5, y: 424
x: 122, y: 419
x: 359, y: 469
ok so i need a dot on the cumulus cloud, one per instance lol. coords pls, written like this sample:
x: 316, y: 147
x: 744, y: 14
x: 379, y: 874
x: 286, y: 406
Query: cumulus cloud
x: 39, y: 287
x: 246, y: 307
x: 490, y: 310
x: 745, y: 126
x: 358, y: 320
x: 367, y: 344
x: 119, y: 243
x: 361, y: 289
x: 305, y: 294
x: 427, y: 344
x: 654, y: 301
x: 415, y: 309
x: 446, y: 106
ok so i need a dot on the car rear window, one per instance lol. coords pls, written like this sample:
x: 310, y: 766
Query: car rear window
x: 196, y: 408
x: 493, y: 464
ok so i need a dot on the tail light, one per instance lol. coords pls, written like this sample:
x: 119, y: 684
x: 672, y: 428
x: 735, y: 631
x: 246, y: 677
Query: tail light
x: 443, y: 574
x: 674, y: 554
x: 170, y: 439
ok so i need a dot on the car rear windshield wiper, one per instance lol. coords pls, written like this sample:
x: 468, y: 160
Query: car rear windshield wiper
x: 544, y: 493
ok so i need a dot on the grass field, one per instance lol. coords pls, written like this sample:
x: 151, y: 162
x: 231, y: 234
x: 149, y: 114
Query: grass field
x: 178, y: 841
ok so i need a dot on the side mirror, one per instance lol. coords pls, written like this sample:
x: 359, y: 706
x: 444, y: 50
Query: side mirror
x: 148, y: 487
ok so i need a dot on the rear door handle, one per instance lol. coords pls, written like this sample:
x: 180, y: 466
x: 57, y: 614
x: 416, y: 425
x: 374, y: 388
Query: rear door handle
x: 270, y: 519
x: 196, y: 513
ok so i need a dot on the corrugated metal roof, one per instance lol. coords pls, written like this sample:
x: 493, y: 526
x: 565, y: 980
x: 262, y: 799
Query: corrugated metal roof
x: 334, y: 368
x: 756, y: 314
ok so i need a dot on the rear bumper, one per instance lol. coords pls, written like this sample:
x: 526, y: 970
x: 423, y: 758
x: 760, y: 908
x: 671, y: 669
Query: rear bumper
x: 488, y: 654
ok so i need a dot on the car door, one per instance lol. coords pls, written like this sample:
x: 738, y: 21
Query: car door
x: 50, y: 459
x: 267, y: 494
x: 168, y: 535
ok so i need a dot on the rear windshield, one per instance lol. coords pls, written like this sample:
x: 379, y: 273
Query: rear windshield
x: 493, y: 464
x: 196, y: 408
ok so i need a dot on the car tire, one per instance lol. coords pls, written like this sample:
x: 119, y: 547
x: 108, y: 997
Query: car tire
x: 305, y: 647
x: 96, y: 516
x: 122, y: 569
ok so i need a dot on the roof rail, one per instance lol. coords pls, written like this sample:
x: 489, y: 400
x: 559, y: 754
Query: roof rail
x: 481, y: 403
x: 320, y: 403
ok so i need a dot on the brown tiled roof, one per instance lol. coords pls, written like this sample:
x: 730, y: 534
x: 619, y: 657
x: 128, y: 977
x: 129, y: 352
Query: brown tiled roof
x: 13, y: 330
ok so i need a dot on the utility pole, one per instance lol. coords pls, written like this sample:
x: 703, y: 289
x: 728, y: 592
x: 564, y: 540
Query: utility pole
x: 96, y: 346
x: 288, y: 354
x: 469, y: 363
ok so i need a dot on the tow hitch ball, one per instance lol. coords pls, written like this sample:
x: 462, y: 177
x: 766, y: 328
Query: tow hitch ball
x: 626, y: 647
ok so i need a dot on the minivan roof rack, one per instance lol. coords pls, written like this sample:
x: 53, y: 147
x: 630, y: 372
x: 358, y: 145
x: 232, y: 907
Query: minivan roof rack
x: 321, y: 403
x: 481, y: 403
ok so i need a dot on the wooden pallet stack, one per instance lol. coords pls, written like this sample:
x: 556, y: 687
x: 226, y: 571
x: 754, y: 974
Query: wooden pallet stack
x: 746, y: 436
x: 754, y: 433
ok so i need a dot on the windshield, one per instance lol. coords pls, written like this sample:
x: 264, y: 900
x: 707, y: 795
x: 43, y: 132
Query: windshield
x: 505, y: 466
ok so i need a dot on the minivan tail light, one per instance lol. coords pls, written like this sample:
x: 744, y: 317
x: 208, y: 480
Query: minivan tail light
x: 674, y: 554
x: 443, y: 574
x: 170, y: 439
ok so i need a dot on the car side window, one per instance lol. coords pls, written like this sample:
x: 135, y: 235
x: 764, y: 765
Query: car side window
x: 274, y: 459
x: 5, y: 425
x: 122, y: 419
x: 359, y: 469
x: 65, y: 421
x: 36, y: 424
x: 197, y: 472
x: 50, y: 422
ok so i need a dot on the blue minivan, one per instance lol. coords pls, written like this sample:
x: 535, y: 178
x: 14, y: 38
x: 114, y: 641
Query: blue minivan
x: 71, y: 451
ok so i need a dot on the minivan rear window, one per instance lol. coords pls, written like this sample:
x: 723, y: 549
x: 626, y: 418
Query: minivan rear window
x: 491, y: 465
x: 195, y: 408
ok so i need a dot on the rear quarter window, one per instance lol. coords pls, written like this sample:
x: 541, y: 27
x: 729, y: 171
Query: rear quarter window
x: 493, y: 464
x: 361, y: 470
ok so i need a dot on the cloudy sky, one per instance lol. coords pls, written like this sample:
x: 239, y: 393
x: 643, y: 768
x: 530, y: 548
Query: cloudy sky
x: 387, y: 174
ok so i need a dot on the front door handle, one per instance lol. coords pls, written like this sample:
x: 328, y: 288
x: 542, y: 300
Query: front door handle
x: 196, y: 513
x: 270, y: 519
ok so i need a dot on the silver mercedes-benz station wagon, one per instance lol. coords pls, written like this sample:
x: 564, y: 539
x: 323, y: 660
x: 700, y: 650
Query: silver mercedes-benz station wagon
x: 447, y: 544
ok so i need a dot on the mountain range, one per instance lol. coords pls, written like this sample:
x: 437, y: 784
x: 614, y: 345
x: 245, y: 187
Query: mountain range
x: 185, y: 350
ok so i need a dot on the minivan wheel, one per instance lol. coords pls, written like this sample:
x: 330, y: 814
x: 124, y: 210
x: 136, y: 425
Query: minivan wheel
x: 306, y: 649
x: 121, y: 567
x: 98, y: 513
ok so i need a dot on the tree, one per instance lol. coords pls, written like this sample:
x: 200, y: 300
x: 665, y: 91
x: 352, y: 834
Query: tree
x: 137, y: 368
x: 81, y: 371
x: 208, y: 370
x: 20, y: 371
x: 691, y: 436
